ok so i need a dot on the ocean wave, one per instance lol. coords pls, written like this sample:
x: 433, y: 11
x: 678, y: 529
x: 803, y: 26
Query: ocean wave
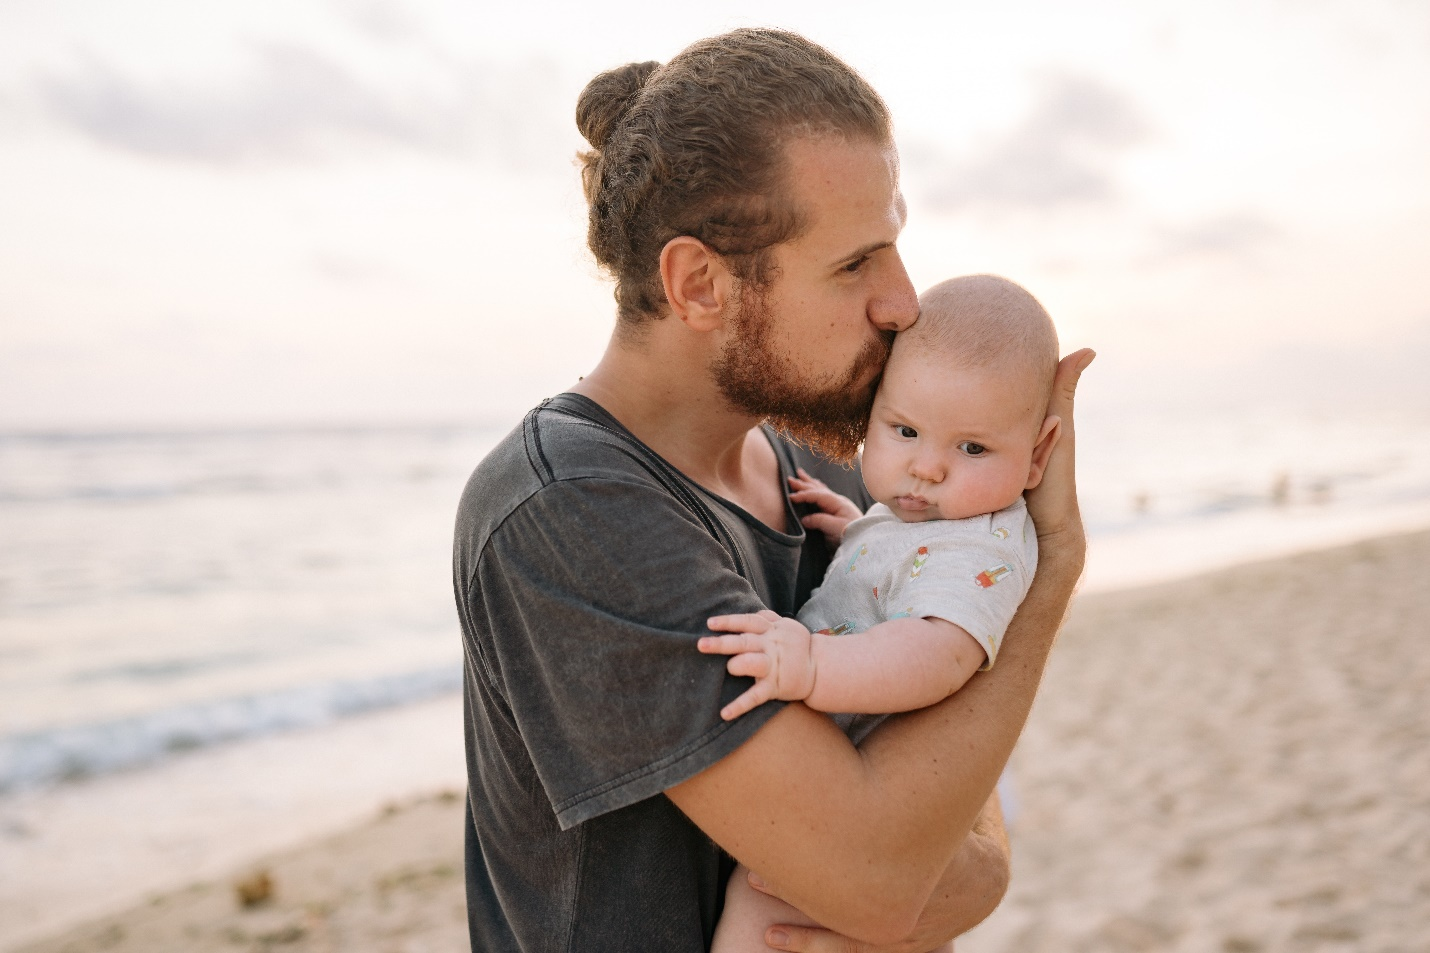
x: 155, y: 468
x: 45, y: 757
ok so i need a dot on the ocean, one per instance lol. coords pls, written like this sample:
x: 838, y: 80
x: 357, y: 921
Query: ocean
x: 163, y: 592
x: 217, y: 643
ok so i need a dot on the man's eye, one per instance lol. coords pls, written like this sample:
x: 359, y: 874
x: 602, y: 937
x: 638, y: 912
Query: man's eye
x: 856, y: 264
x: 907, y: 432
x: 972, y: 449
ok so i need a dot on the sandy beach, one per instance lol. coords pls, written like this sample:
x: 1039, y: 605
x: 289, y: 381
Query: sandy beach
x: 1232, y: 762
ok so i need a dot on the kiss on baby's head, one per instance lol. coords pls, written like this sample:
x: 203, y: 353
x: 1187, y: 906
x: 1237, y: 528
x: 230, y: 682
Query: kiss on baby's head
x: 958, y: 427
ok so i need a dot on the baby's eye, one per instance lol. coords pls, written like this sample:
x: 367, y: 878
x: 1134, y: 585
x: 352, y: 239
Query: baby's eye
x: 972, y: 449
x: 905, y: 431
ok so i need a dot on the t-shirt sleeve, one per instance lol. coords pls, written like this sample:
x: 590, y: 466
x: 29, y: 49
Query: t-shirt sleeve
x: 974, y: 576
x: 586, y: 603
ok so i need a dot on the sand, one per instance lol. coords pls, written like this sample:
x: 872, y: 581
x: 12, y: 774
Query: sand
x: 95, y: 847
x: 393, y: 884
x: 1235, y: 762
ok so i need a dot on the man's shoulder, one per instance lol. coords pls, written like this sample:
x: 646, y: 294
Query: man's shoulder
x: 563, y: 448
x: 557, y: 440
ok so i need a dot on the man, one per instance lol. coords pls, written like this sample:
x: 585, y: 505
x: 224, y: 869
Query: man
x: 745, y: 198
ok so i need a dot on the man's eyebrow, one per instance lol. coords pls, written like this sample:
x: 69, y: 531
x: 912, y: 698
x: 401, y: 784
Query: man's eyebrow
x: 868, y: 249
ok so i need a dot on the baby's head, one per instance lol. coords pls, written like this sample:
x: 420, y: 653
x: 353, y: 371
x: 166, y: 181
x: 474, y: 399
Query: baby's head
x: 959, y: 426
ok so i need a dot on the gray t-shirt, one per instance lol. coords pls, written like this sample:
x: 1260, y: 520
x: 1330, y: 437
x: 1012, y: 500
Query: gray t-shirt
x: 585, y: 567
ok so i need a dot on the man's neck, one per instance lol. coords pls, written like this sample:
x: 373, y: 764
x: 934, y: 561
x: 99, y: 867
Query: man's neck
x: 671, y: 403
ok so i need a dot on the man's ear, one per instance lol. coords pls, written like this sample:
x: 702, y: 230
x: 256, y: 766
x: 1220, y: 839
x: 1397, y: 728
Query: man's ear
x: 1043, y: 449
x: 696, y: 282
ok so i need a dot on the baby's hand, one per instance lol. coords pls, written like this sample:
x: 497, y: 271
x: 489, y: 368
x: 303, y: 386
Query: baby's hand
x: 775, y: 650
x: 837, y: 511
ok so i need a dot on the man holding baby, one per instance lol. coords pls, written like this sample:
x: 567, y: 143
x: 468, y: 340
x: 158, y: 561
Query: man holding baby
x: 745, y: 198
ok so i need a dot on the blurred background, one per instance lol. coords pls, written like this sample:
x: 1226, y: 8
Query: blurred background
x: 274, y: 275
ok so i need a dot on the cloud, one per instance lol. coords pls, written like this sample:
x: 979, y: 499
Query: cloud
x: 349, y: 269
x: 1059, y: 154
x: 297, y: 104
x: 382, y: 20
x: 1234, y: 234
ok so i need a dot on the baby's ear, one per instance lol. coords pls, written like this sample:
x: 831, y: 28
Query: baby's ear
x: 1043, y: 449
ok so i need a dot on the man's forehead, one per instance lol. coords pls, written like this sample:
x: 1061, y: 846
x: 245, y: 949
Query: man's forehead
x: 849, y: 190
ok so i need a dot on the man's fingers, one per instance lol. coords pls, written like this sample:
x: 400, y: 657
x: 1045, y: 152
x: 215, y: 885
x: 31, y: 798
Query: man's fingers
x: 1053, y: 503
x: 810, y: 940
x: 1069, y: 372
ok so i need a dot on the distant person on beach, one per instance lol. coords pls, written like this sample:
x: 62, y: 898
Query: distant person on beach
x: 924, y: 585
x: 744, y: 196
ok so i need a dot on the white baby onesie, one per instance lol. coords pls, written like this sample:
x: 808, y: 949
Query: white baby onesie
x: 972, y: 572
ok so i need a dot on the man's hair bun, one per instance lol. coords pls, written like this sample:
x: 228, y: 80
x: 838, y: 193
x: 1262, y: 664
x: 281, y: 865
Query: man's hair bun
x: 607, y: 98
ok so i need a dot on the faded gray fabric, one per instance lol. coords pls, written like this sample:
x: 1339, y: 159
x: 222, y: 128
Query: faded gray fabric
x: 972, y: 572
x: 585, y: 568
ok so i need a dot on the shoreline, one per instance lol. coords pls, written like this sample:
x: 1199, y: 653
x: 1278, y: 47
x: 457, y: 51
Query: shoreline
x: 90, y: 849
x: 188, y: 822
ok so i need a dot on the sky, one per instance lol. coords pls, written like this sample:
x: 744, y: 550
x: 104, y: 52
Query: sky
x: 357, y: 211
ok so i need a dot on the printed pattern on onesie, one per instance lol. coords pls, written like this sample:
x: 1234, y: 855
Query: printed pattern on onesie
x: 972, y: 572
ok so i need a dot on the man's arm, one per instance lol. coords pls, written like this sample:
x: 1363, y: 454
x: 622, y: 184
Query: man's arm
x: 865, y: 852
x: 971, y: 889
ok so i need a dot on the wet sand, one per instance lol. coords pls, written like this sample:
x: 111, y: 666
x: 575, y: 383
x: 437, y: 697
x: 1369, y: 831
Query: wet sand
x: 1235, y: 762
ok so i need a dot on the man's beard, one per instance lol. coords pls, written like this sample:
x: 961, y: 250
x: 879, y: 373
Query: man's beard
x: 829, y: 417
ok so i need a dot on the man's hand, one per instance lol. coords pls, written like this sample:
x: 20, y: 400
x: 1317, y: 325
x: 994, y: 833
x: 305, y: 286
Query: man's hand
x: 836, y: 512
x: 1053, y: 503
x: 775, y: 651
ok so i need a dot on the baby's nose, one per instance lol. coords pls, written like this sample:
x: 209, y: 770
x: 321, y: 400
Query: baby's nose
x: 928, y: 468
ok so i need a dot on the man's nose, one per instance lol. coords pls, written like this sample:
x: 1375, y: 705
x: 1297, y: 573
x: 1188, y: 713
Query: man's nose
x: 895, y: 306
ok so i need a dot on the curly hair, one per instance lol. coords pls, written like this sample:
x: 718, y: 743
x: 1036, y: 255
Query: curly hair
x: 695, y: 147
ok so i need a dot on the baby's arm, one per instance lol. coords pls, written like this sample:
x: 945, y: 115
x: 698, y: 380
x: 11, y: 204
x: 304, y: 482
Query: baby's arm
x: 897, y: 665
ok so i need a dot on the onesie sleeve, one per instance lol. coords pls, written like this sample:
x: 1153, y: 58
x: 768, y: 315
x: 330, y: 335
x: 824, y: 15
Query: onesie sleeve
x: 973, y: 573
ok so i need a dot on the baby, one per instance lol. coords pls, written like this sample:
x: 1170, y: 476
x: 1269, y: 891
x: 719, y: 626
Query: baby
x: 924, y: 585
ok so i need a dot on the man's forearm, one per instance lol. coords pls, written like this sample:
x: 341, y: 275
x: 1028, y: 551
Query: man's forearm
x: 865, y: 857
x: 975, y: 729
x: 971, y: 889
x: 974, y: 883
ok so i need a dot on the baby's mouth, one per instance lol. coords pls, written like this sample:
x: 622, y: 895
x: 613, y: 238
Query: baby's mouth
x: 912, y: 503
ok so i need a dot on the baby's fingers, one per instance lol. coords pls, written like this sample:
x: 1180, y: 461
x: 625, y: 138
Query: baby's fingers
x: 729, y: 644
x: 831, y: 526
x: 749, y: 665
x: 747, y: 622
x: 804, y: 475
x: 753, y: 697
x: 826, y: 500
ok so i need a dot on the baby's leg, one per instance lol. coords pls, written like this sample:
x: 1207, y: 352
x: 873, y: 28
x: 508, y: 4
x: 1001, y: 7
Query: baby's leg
x: 748, y: 914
